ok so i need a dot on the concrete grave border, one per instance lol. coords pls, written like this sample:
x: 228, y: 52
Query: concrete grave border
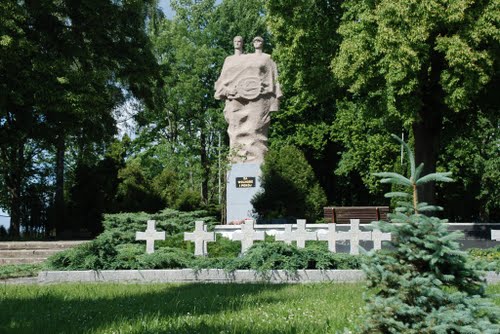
x: 210, y: 276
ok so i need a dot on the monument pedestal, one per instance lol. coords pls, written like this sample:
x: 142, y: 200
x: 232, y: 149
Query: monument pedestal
x: 243, y: 182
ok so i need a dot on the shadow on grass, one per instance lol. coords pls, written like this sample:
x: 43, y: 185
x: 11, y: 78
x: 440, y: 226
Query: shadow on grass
x: 87, y: 308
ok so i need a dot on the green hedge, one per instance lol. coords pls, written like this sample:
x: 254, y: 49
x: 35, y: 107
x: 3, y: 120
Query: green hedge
x: 116, y: 248
x: 261, y: 257
x: 487, y: 259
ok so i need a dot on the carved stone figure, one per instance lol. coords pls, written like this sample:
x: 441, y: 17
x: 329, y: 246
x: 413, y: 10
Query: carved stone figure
x: 248, y: 83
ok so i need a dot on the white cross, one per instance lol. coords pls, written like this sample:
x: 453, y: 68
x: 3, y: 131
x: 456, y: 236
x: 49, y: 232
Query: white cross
x: 495, y: 235
x: 287, y: 236
x: 200, y: 237
x: 301, y: 235
x: 150, y: 235
x: 355, y: 235
x: 247, y: 235
x: 378, y: 237
x: 331, y: 236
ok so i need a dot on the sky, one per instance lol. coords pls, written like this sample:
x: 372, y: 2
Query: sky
x: 169, y: 13
x: 5, y: 221
x: 165, y: 6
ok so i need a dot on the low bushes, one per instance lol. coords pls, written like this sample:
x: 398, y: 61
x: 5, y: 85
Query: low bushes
x: 20, y: 270
x: 262, y: 256
x: 487, y: 259
x: 278, y: 255
x: 116, y: 248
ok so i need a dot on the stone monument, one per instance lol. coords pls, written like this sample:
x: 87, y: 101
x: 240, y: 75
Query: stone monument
x: 248, y: 85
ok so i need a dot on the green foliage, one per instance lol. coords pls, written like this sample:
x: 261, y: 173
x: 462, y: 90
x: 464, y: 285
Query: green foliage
x: 20, y: 270
x: 488, y: 259
x: 426, y: 284
x: 95, y: 255
x: 472, y: 154
x: 64, y: 73
x: 304, y: 44
x: 120, y: 228
x: 278, y: 255
x: 166, y: 185
x: 208, y: 308
x: 186, y: 137
x: 94, y: 188
x: 290, y: 188
x: 302, y: 31
x: 364, y: 140
x: 263, y: 256
x: 132, y: 256
x: 224, y: 248
x: 166, y: 258
x: 102, y: 256
x: 116, y: 248
x: 421, y: 69
x: 3, y: 232
x: 188, y: 200
x: 135, y: 191
x: 491, y: 254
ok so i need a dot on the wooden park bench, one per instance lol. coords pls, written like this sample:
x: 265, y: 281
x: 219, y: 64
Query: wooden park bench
x: 365, y: 214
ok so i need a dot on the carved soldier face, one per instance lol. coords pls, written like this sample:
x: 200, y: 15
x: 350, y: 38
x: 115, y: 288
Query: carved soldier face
x: 238, y: 42
x: 258, y: 43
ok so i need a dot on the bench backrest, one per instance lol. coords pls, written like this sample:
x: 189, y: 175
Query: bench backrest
x: 366, y: 214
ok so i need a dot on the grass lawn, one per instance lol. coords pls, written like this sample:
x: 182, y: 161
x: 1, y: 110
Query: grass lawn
x: 181, y: 308
x: 178, y: 308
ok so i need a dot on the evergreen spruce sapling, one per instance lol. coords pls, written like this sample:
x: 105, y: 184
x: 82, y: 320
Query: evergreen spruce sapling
x: 426, y: 284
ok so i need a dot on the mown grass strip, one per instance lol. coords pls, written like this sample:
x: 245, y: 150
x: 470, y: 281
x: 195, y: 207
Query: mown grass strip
x: 179, y: 308
x: 182, y: 308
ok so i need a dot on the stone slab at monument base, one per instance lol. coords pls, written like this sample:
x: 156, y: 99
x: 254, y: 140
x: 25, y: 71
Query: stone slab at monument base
x: 243, y: 182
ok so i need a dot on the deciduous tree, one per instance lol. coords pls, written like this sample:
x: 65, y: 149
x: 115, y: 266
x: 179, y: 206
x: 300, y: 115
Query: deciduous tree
x: 419, y: 65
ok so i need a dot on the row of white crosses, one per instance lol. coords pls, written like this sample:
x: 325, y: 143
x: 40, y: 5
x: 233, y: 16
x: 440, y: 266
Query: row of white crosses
x: 200, y: 237
x: 354, y: 235
x: 247, y: 235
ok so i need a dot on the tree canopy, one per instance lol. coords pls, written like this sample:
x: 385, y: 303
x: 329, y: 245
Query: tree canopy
x: 352, y: 73
x: 426, y: 70
x: 417, y: 66
x: 65, y: 66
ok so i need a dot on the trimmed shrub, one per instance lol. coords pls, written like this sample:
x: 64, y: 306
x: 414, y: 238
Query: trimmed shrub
x: 223, y: 247
x: 290, y: 188
x: 261, y: 257
x: 166, y: 258
x: 116, y: 247
x: 487, y: 259
x: 188, y: 200
x: 97, y: 254
x: 278, y: 255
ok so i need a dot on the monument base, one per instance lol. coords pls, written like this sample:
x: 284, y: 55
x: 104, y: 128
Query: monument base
x: 243, y: 182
